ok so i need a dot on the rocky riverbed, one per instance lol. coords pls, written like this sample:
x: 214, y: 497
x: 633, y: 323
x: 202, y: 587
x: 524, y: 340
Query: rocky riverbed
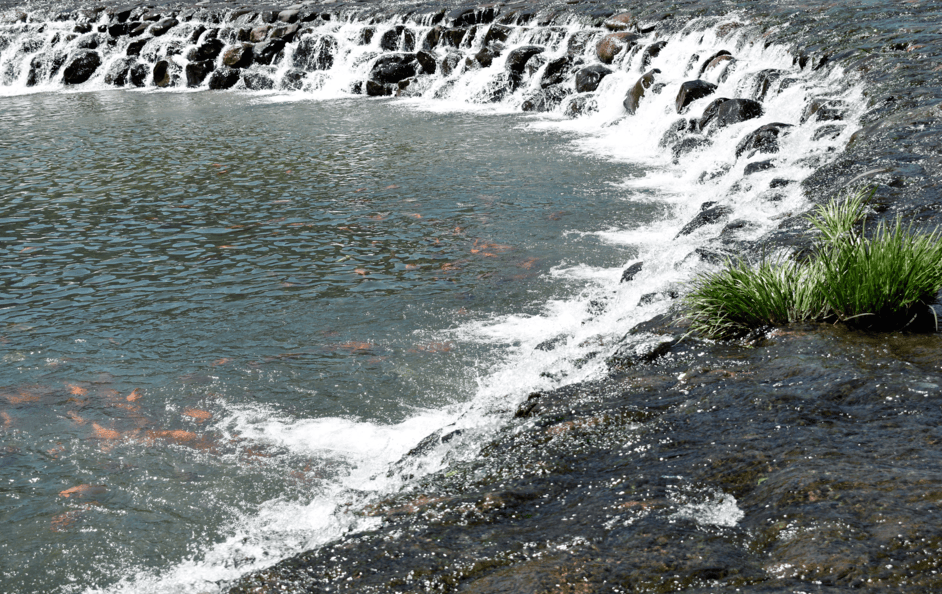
x: 806, y: 460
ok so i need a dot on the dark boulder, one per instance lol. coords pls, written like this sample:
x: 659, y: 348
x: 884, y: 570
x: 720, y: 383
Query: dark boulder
x: 293, y: 80
x: 432, y: 38
x: 196, y: 72
x: 465, y: 15
x: 426, y: 61
x: 81, y: 66
x: 589, y: 78
x: 391, y: 68
x: 257, y: 81
x: 287, y: 33
x: 399, y: 38
x: 450, y: 63
x: 138, y: 75
x: 630, y: 355
x: 708, y: 61
x: 453, y: 37
x: 117, y: 74
x: 688, y: 145
x: 197, y: 33
x: 162, y: 74
x: 636, y: 92
x: 366, y: 35
x: 137, y: 29
x: 709, y: 114
x: 288, y: 16
x: 691, y: 91
x: 758, y: 166
x: 485, y: 57
x: 208, y: 50
x: 518, y: 58
x: 269, y: 52
x: 829, y: 132
x: 631, y: 272
x: 223, y: 78
x: 89, y: 41
x: 726, y: 112
x: 548, y: 99
x: 761, y: 140
x: 376, y: 89
x: 238, y: 56
x: 763, y: 81
x: 258, y: 34
x: 613, y: 44
x: 581, y: 105
x: 724, y: 65
x: 650, y: 52
x: 708, y: 215
x: 134, y: 48
x: 315, y: 53
x: 555, y: 71
x: 824, y: 110
x: 163, y: 26
x: 677, y: 131
x: 497, y: 33
x: 122, y: 13
x: 620, y: 22
x: 119, y: 29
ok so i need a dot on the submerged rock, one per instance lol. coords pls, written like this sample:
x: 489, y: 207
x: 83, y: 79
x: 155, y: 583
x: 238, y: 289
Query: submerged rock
x: 711, y: 60
x: 620, y: 22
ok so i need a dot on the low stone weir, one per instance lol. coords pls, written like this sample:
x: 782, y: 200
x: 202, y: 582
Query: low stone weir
x: 682, y: 465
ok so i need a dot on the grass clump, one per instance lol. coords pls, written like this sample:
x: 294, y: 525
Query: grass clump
x: 882, y: 281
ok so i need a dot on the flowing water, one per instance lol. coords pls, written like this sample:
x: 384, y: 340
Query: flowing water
x: 226, y: 316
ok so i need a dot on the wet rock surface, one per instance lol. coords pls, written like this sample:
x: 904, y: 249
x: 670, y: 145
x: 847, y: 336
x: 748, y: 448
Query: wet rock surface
x: 760, y: 467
